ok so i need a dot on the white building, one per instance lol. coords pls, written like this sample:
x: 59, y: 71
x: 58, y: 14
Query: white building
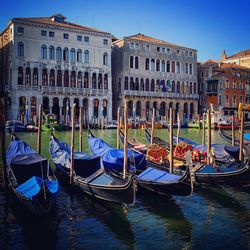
x: 51, y: 61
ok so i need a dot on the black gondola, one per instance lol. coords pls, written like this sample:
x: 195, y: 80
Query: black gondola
x: 229, y: 172
x: 228, y: 138
x: 90, y: 176
x: 31, y: 177
x: 156, y: 180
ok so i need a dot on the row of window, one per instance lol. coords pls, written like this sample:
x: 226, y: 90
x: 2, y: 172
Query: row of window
x: 59, y: 55
x: 234, y: 100
x: 159, y: 86
x: 161, y: 65
x: 20, y: 30
x: 60, y: 79
x: 158, y: 49
x: 163, y: 109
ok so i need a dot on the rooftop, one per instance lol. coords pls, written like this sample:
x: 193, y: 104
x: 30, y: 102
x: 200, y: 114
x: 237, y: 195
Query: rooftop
x: 59, y: 21
x: 240, y: 54
x: 144, y: 38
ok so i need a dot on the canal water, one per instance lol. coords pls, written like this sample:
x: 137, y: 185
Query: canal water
x: 212, y: 218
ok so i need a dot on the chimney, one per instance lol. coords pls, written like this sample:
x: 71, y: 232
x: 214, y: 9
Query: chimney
x: 223, y: 55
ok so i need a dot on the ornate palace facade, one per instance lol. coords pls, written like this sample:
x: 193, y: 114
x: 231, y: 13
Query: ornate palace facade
x: 54, y: 62
x: 153, y: 73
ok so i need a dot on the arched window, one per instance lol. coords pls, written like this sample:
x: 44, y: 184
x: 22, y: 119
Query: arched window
x: 27, y: 76
x: 44, y: 77
x: 173, y: 66
x: 157, y: 65
x: 190, y: 68
x: 131, y: 87
x: 105, y: 58
x: 173, y: 86
x: 178, y: 68
x: 44, y: 52
x: 168, y: 66
x: 147, y: 84
x: 52, y: 77
x: 137, y: 83
x: 20, y: 49
x: 86, y: 80
x: 142, y: 85
x: 79, y: 79
x: 66, y: 78
x: 163, y: 66
x: 126, y: 83
x: 131, y: 62
x: 220, y: 100
x: 20, y: 76
x: 152, y: 85
x: 59, y: 78
x: 195, y: 88
x: 94, y: 81
x: 190, y: 88
x: 65, y: 54
x: 138, y: 109
x: 147, y: 64
x: 73, y: 55
x: 104, y: 107
x: 86, y: 56
x: 136, y: 62
x: 58, y: 54
x: 73, y: 79
x: 96, y: 105
x: 106, y: 83
x: 157, y: 88
x: 178, y: 88
x: 100, y: 81
x: 35, y: 76
x: 79, y: 56
x: 152, y: 64
x: 186, y: 68
x: 51, y: 53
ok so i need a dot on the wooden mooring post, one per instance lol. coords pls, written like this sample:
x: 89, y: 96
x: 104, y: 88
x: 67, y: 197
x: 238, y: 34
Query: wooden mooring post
x: 209, y: 137
x: 125, y: 163
x: 72, y: 144
x: 204, y: 129
x: 118, y: 129
x: 39, y: 141
x: 153, y: 127
x: 241, y: 156
x: 80, y: 128
x: 171, y: 148
x: 233, y: 136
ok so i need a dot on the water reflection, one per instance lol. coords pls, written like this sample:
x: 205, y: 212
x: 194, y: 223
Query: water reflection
x: 171, y: 214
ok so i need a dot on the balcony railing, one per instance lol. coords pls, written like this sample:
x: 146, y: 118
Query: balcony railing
x: 63, y: 90
x: 159, y: 94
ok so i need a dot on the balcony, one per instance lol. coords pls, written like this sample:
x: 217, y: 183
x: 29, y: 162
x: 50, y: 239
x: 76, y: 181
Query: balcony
x: 159, y: 94
x: 63, y: 90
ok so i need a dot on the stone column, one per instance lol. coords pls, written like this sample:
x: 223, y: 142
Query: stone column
x: 62, y: 78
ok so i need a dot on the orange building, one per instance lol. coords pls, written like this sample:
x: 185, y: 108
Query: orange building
x: 224, y: 85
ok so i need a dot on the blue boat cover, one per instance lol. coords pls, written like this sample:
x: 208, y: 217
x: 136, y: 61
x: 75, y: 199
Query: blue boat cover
x: 152, y: 174
x: 247, y: 136
x: 18, y: 147
x: 208, y: 169
x: 113, y: 158
x: 84, y: 164
x: 32, y: 187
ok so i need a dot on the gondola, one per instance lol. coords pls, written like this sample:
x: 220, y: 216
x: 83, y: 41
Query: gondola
x: 113, y: 158
x: 223, y: 153
x: 225, y: 170
x: 154, y: 179
x: 228, y: 138
x: 90, y: 176
x: 30, y: 177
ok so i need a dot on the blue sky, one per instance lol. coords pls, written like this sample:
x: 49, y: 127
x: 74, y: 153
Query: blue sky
x: 208, y: 26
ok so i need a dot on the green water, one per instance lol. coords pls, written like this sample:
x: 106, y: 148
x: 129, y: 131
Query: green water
x: 211, y: 218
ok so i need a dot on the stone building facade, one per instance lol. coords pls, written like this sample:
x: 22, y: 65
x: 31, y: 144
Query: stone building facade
x: 223, y: 85
x: 149, y: 72
x: 54, y: 62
